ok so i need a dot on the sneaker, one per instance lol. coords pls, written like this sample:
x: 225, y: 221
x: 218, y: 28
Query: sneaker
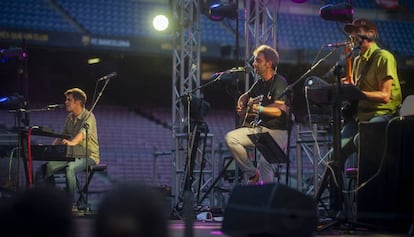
x: 75, y: 207
x: 78, y: 212
x: 255, y: 179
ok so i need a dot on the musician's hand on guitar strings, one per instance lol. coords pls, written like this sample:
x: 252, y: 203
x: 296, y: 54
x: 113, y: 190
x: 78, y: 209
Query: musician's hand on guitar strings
x: 251, y: 101
x: 241, y: 109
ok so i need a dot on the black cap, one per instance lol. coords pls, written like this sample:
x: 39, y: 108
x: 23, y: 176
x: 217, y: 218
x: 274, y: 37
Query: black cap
x: 369, y: 25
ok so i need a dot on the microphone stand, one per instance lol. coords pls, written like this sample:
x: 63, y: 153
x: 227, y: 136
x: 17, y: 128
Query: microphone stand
x: 291, y: 86
x: 186, y: 195
x: 337, y: 205
x: 85, y: 125
x: 200, y: 200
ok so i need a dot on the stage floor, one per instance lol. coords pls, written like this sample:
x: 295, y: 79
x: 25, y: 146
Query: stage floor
x: 207, y: 229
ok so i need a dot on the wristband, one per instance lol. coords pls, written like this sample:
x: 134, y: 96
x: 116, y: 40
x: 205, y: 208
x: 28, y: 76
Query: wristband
x: 260, y: 109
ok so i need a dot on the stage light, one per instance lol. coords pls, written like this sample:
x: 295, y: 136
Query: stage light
x: 218, y: 10
x: 342, y: 12
x: 12, y: 53
x: 11, y: 102
x: 160, y: 22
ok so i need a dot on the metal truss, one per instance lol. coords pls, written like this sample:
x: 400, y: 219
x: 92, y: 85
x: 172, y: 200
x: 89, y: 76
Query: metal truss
x: 260, y: 28
x: 185, y: 81
x: 261, y: 17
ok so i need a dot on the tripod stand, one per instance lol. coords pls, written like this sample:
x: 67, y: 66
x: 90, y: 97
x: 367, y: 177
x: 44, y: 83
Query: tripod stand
x: 333, y: 173
x: 196, y: 110
x: 194, y: 143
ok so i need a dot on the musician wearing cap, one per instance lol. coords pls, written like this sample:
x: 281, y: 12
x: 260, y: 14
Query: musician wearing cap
x: 79, y: 123
x: 375, y: 74
x: 267, y: 113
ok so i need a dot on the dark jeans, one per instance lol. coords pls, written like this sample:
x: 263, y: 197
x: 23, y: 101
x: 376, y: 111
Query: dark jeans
x: 71, y: 169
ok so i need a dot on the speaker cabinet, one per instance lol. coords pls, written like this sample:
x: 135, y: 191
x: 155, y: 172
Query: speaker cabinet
x: 387, y: 201
x: 269, y: 210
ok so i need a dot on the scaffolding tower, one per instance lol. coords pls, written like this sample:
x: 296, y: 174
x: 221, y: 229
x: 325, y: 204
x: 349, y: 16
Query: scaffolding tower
x: 261, y: 18
x: 185, y: 81
x: 260, y: 28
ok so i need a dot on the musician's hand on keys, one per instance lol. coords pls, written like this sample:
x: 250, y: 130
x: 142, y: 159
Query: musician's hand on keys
x: 67, y: 142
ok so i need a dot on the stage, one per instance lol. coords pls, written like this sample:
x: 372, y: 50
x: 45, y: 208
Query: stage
x: 206, y: 229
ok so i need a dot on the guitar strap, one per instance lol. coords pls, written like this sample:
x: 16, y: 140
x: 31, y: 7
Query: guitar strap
x: 275, y: 77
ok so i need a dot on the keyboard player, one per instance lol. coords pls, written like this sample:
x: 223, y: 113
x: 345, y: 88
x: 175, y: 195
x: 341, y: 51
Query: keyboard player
x: 375, y: 74
x: 74, y: 125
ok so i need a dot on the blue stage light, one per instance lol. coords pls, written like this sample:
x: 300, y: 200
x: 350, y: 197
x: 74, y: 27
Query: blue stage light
x: 218, y: 10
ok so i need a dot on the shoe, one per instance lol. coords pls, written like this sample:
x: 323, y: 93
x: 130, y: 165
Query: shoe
x: 255, y: 179
x: 81, y: 206
x: 76, y: 211
x: 75, y: 207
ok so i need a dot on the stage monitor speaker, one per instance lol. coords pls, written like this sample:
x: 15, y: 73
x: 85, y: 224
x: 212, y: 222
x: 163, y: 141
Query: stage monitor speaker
x: 269, y: 210
x: 387, y: 201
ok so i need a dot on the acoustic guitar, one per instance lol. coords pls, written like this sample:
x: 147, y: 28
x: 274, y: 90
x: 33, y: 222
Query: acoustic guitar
x: 251, y: 118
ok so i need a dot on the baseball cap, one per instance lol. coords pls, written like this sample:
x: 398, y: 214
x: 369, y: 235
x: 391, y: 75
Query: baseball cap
x: 361, y: 22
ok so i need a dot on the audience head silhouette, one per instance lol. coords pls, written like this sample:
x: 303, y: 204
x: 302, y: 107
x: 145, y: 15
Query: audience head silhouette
x: 43, y: 211
x: 132, y: 210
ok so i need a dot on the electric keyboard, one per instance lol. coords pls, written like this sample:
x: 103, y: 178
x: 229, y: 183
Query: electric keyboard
x: 47, y: 132
x: 57, y: 152
x: 327, y: 94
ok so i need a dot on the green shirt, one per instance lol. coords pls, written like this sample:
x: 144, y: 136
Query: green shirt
x: 73, y: 126
x: 383, y: 65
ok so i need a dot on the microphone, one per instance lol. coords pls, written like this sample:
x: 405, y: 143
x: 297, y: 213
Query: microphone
x: 55, y: 106
x: 109, y: 76
x: 336, y: 45
x: 231, y: 70
x: 238, y: 69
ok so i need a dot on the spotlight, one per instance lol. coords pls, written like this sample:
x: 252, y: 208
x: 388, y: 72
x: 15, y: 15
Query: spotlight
x: 11, y: 102
x: 342, y: 12
x: 217, y: 10
x: 12, y: 53
x: 160, y: 22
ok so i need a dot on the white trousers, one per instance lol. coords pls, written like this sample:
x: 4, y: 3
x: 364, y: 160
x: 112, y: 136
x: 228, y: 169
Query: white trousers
x: 237, y: 141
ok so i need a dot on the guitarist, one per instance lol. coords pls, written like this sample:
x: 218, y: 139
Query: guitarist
x: 269, y: 112
x: 374, y: 71
x: 375, y: 74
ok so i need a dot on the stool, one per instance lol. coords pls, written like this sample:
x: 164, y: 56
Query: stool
x: 83, y: 193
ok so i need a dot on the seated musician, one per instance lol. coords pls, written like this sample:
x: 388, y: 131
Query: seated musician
x: 74, y: 126
x: 375, y: 74
x: 269, y: 114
